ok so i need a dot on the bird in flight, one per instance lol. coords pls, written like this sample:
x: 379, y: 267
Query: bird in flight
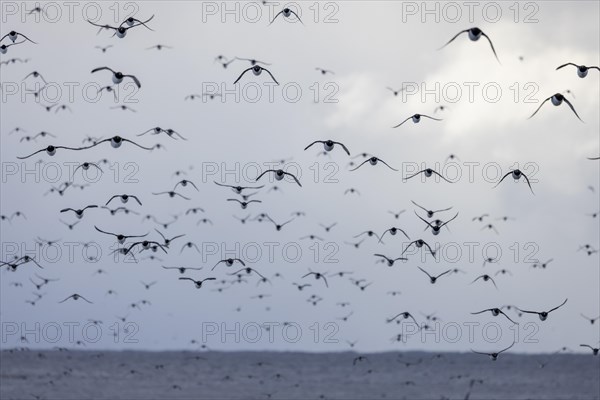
x: 279, y: 175
x: 433, y: 279
x: 117, y: 77
x: 75, y: 296
x: 256, y: 70
x: 287, y: 13
x: 494, y: 356
x: 495, y: 312
x: 557, y: 99
x: 516, y: 174
x: 373, y: 161
x: 428, y: 172
x: 328, y: 145
x: 582, y: 70
x: 543, y: 314
x: 474, y: 35
x: 416, y: 118
x: 197, y: 283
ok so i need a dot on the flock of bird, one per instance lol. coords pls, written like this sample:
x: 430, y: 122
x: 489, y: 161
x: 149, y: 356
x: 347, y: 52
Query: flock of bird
x: 224, y: 274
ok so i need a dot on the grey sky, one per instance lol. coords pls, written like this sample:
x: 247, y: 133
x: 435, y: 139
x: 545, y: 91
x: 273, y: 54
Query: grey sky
x: 369, y: 48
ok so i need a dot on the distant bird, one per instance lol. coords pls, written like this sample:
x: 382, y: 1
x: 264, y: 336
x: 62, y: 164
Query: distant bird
x: 171, y: 194
x: 51, y: 150
x: 121, y: 31
x: 480, y: 217
x: 75, y: 296
x: 239, y: 189
x: 148, y: 285
x: 328, y: 145
x: 396, y: 214
x: 70, y: 226
x: 244, y: 204
x: 78, y: 212
x: 4, y: 47
x: 416, y: 118
x: 390, y: 261
x: 557, y: 99
x: 542, y: 265
x: 124, y: 198
x: 438, y: 224
x: 317, y: 275
x: 495, y: 312
x: 324, y: 71
x: 103, y: 49
x: 582, y: 70
x: 118, y: 77
x: 301, y: 287
x: 359, y: 359
x: 159, y: 47
x: 197, y: 283
x: 420, y: 243
x: 14, y: 35
x: 116, y: 142
x: 394, y: 91
x: 485, y: 278
x: 279, y: 226
x: 182, y: 269
x: 474, y: 34
x: 393, y: 230
x: 279, y: 175
x: 252, y: 61
x: 494, y: 356
x: 592, y: 320
x: 433, y: 279
x: 287, y: 13
x: 229, y: 262
x: 543, y: 314
x: 256, y: 70
x: 490, y: 227
x: 328, y: 227
x: 516, y: 175
x: 428, y: 172
x: 36, y: 74
x: 430, y: 213
x: 404, y: 315
x: 373, y: 161
x: 594, y: 349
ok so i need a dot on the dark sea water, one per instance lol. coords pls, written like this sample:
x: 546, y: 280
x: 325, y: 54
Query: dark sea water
x: 263, y: 375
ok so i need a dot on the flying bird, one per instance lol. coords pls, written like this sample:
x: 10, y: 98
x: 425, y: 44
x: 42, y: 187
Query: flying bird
x: 256, y: 70
x: 474, y: 35
x: 557, y: 99
x: 495, y: 312
x: 433, y: 279
x: 197, y: 283
x: 544, y: 314
x: 416, y: 119
x: 287, y: 13
x: 124, y: 198
x: 14, y: 35
x: 328, y: 145
x: 373, y: 161
x: 279, y: 175
x: 582, y: 70
x: 517, y: 174
x: 78, y: 212
x: 75, y: 296
x: 494, y: 356
x: 428, y: 172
